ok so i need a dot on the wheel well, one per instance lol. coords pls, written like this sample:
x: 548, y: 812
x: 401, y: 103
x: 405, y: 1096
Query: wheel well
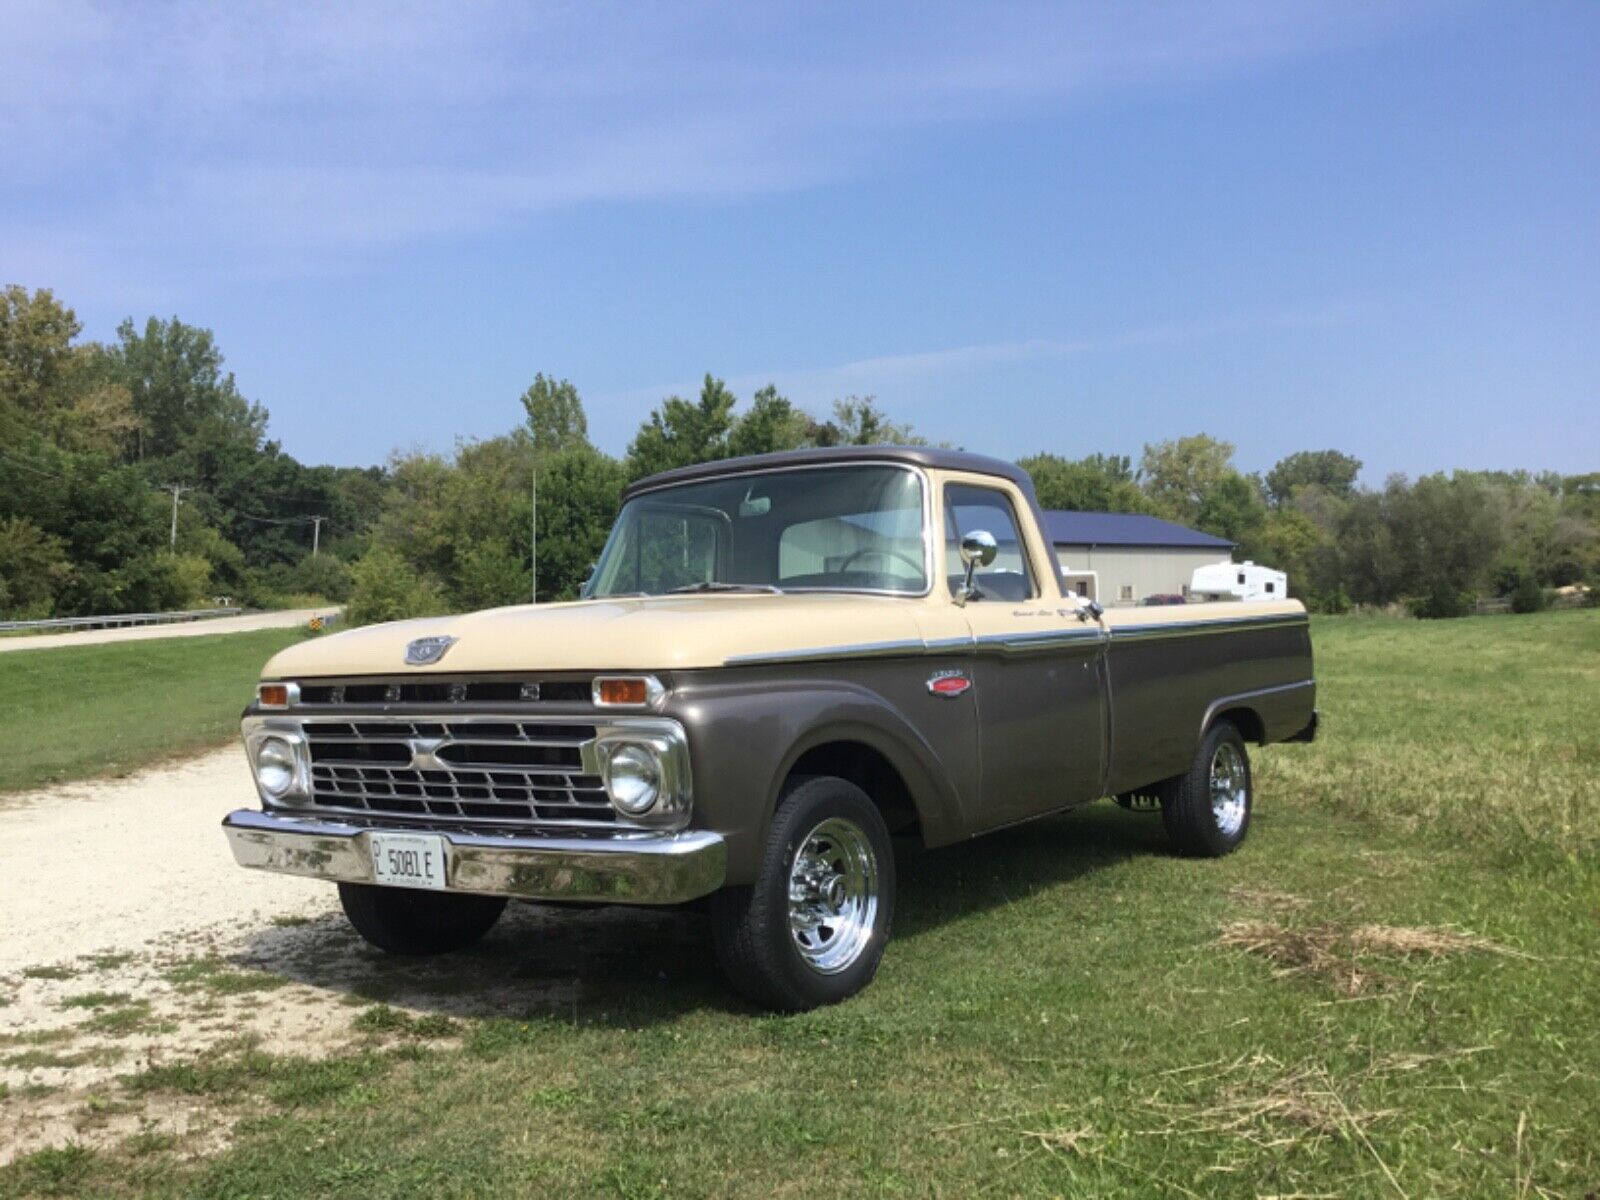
x: 1247, y: 721
x: 870, y: 771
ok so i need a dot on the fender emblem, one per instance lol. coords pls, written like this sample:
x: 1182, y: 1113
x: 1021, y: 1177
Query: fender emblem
x: 949, y: 684
x: 427, y: 650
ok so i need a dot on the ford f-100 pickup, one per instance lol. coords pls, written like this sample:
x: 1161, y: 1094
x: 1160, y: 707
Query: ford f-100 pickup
x: 779, y: 664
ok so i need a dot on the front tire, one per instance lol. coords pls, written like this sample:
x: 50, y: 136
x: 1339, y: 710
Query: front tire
x: 812, y: 929
x: 1207, y: 809
x: 415, y: 923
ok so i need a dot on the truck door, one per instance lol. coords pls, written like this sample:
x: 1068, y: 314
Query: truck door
x: 1036, y: 666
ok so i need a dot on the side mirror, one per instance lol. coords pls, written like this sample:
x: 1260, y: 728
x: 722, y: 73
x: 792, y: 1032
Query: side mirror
x: 978, y: 549
x: 1090, y: 610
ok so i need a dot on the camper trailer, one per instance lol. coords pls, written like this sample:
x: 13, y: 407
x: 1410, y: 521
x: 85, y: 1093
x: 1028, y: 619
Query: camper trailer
x: 1237, y: 581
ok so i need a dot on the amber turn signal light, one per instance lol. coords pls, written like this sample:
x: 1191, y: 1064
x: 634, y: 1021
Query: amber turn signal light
x: 627, y: 691
x: 622, y: 691
x: 273, y: 695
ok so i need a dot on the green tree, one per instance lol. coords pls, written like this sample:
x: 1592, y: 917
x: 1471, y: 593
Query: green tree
x: 387, y: 588
x: 1327, y: 469
x: 682, y: 432
x: 1178, y: 475
x: 1096, y: 483
x: 770, y: 424
x: 1232, y: 507
x: 858, y: 421
x: 555, y: 415
x: 33, y: 569
x: 579, y: 493
x: 490, y: 574
x: 180, y: 393
x: 51, y: 388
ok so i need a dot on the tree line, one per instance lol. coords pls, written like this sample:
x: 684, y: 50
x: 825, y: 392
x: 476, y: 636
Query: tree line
x: 100, y: 443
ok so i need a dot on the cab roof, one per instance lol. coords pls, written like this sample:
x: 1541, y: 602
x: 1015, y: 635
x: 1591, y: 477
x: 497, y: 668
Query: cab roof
x: 914, y: 456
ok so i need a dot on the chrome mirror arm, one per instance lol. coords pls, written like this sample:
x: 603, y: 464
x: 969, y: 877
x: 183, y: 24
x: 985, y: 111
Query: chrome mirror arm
x: 978, y: 548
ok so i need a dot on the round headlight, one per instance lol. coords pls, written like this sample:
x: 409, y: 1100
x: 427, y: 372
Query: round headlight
x: 633, y: 779
x: 275, y: 766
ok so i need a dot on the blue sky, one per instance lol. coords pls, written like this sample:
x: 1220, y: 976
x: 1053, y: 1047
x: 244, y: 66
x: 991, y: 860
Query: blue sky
x: 1065, y: 227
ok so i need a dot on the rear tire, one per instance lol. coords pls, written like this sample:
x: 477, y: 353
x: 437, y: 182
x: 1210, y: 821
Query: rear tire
x: 1207, y: 809
x: 812, y: 929
x: 415, y: 923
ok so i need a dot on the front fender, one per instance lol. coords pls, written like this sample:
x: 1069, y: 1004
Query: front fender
x: 746, y: 732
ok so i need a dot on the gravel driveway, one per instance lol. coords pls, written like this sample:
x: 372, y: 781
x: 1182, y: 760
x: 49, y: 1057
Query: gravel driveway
x: 130, y: 940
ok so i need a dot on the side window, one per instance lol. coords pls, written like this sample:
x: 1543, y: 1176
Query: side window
x: 1126, y: 593
x: 967, y: 508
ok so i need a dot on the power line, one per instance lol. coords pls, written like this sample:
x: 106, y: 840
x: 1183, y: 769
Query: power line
x: 27, y: 467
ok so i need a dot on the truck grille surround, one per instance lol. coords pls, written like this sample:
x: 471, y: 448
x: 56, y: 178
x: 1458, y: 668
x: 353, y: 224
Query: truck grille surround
x: 508, y: 773
x: 483, y: 766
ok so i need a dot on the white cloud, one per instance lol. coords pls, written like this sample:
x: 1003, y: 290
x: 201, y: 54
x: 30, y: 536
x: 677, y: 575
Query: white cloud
x: 896, y: 377
x: 145, y: 142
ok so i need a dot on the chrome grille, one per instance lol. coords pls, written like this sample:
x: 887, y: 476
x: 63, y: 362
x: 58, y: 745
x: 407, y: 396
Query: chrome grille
x: 492, y: 771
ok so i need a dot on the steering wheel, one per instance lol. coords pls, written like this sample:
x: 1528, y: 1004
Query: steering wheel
x: 865, y: 551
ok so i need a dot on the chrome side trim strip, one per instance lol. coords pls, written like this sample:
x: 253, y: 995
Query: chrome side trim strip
x: 1039, y: 641
x: 1237, y: 698
x: 901, y: 649
x: 1177, y: 629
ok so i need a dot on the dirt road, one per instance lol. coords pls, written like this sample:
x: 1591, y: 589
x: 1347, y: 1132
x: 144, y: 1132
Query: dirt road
x: 286, y: 619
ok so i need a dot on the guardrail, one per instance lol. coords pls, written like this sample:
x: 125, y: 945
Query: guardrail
x: 118, y: 620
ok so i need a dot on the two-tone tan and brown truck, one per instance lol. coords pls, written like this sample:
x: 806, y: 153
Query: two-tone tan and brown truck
x: 779, y: 664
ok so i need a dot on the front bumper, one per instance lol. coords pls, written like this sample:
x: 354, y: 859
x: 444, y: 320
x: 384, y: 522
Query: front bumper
x: 625, y: 868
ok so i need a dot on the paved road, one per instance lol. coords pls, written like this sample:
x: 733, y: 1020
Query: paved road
x: 139, y: 633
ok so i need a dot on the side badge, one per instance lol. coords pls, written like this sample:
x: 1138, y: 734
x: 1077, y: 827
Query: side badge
x: 949, y: 683
x: 424, y: 651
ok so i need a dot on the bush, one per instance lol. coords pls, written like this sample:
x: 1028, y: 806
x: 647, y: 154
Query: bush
x: 33, y: 570
x: 1335, y: 603
x: 321, y: 575
x: 386, y: 588
x: 489, y: 575
x: 1527, y: 596
x: 1444, y: 600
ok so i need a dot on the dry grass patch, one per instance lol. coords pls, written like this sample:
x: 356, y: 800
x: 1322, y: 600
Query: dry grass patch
x: 1337, y: 956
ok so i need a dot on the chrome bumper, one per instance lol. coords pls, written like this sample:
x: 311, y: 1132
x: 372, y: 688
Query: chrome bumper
x: 627, y: 868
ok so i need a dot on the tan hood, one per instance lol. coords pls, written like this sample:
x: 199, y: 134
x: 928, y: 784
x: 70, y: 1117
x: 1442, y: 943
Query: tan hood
x: 659, y: 633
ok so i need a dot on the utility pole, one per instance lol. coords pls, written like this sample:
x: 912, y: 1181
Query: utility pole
x: 316, y: 534
x: 533, y: 532
x: 176, y: 490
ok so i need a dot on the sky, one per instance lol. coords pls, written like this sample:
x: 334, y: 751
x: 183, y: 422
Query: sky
x: 1066, y: 227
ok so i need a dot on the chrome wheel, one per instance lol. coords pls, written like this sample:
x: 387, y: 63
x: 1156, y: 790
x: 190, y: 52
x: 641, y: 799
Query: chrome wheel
x: 833, y: 895
x: 1230, y: 790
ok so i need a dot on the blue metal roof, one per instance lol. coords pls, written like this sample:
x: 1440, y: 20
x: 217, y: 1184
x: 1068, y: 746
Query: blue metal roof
x: 1125, y: 529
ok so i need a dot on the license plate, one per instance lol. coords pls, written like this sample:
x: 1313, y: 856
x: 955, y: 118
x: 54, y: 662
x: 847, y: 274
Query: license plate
x: 410, y: 860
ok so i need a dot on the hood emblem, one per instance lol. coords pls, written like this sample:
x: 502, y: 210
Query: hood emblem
x: 428, y: 650
x: 949, y: 684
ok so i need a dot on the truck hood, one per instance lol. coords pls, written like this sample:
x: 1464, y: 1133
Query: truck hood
x: 657, y: 633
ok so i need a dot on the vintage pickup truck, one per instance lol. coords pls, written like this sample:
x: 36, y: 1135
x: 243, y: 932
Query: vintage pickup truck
x: 779, y: 664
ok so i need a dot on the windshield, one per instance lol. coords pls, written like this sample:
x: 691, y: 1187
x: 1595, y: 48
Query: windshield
x: 845, y: 528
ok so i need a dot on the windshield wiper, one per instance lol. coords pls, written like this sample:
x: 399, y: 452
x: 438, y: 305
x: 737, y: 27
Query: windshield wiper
x: 714, y: 585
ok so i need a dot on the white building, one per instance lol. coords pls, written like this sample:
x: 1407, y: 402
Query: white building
x: 1127, y: 557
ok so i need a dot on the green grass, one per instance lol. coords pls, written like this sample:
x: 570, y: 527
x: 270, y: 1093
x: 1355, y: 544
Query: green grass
x: 1067, y: 1009
x: 104, y: 710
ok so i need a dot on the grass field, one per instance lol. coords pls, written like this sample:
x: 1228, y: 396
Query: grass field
x: 104, y: 710
x: 1392, y: 990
